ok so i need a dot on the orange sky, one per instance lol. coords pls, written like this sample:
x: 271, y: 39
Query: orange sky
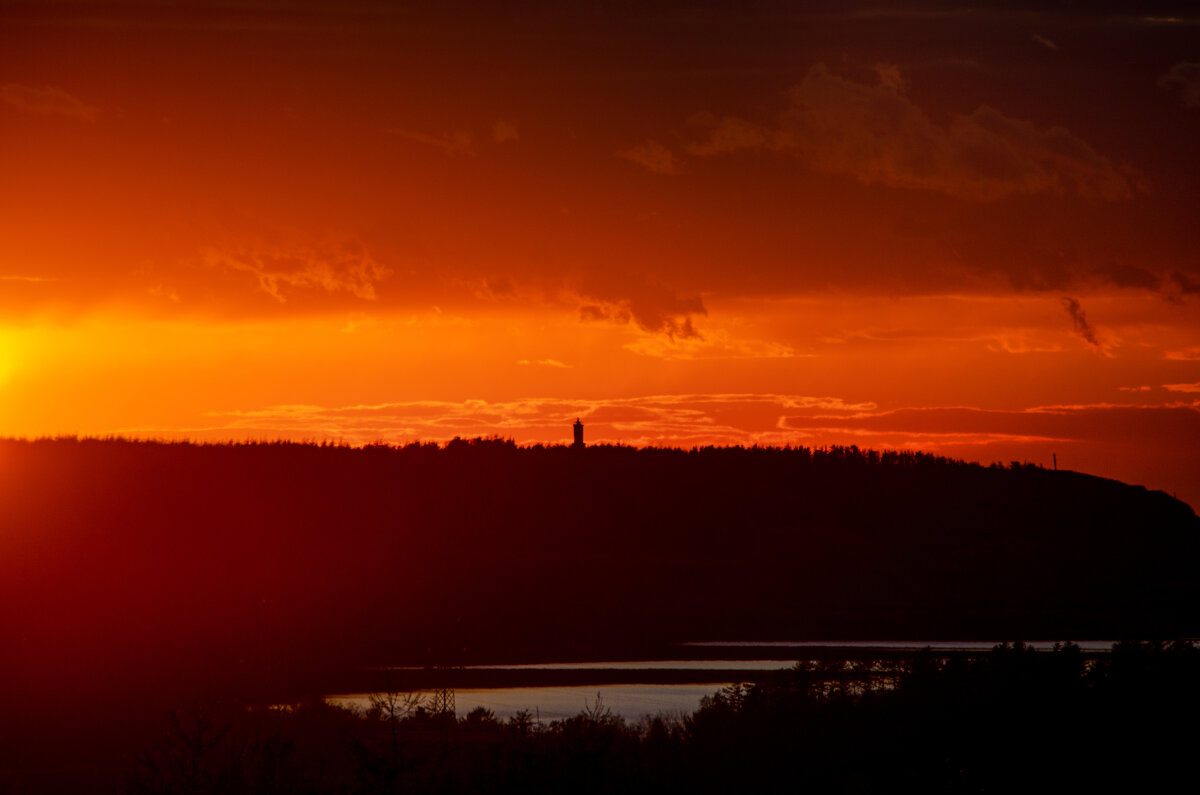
x: 969, y: 232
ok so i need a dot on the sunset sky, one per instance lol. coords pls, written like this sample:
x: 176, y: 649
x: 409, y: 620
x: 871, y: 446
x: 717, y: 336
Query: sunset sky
x: 916, y: 226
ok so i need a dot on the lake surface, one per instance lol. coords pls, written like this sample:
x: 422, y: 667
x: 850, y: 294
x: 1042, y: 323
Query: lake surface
x: 632, y: 702
x: 895, y: 645
x: 635, y: 700
x: 629, y: 665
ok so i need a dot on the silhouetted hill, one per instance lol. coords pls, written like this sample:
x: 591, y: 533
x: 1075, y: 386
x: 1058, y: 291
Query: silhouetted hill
x: 151, y: 571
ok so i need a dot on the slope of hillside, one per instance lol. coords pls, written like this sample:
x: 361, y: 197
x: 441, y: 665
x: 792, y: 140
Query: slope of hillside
x: 260, y: 566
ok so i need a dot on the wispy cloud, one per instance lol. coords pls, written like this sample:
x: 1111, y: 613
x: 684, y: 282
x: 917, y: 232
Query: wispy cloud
x: 712, y: 344
x: 648, y: 420
x: 876, y: 134
x: 653, y: 157
x: 504, y: 132
x: 1018, y: 343
x: 723, y: 418
x: 456, y: 143
x: 47, y: 101
x: 30, y: 279
x: 1183, y: 77
x: 959, y: 426
x: 278, y: 271
x: 545, y: 363
x: 1045, y: 42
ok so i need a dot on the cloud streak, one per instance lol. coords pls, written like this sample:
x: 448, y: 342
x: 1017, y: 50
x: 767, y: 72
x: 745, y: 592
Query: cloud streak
x: 47, y: 101
x: 1080, y: 321
x: 555, y: 363
x: 1063, y: 423
x: 27, y: 279
x: 456, y: 143
x: 1084, y: 436
x: 720, y: 418
x: 712, y: 344
x: 653, y: 419
x: 1185, y: 355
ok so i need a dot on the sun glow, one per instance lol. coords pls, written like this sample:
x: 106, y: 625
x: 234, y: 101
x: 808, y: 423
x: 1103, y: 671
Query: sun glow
x: 921, y: 239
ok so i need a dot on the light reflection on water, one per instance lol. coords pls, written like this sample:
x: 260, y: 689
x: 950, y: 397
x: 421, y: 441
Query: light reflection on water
x: 635, y: 701
x: 631, y: 702
x: 895, y: 645
x: 630, y: 665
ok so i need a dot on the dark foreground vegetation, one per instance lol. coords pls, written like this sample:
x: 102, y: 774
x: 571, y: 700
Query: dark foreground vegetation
x: 1012, y: 720
x: 135, y: 576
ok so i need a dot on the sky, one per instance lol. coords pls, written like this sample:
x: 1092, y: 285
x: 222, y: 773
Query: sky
x: 969, y: 231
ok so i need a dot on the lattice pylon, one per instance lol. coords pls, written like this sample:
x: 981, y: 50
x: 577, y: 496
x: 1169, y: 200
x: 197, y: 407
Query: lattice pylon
x: 443, y: 701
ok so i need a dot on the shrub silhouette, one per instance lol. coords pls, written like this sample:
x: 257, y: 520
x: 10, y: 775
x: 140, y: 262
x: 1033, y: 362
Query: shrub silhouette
x: 1011, y: 718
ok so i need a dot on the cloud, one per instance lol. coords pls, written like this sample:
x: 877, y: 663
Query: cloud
x: 47, y: 101
x: 1183, y: 77
x: 1126, y: 275
x: 457, y: 143
x: 648, y: 316
x: 686, y: 419
x: 593, y: 312
x: 545, y: 363
x: 1135, y: 442
x: 490, y: 288
x: 731, y: 134
x: 1177, y: 285
x: 650, y: 305
x: 1191, y: 388
x: 504, y: 132
x: 654, y: 157
x: 718, y: 418
x: 280, y: 271
x: 712, y: 344
x: 29, y: 279
x: 961, y: 427
x: 165, y: 293
x: 1001, y: 342
x: 1045, y: 42
x: 1173, y: 286
x: 890, y: 76
x: 877, y: 135
x: 1079, y: 319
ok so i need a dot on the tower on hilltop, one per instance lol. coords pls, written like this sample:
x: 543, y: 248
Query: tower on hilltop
x: 578, y: 427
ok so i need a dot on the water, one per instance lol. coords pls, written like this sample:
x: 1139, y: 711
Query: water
x: 632, y: 702
x: 638, y: 701
x: 895, y: 645
x: 630, y: 665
